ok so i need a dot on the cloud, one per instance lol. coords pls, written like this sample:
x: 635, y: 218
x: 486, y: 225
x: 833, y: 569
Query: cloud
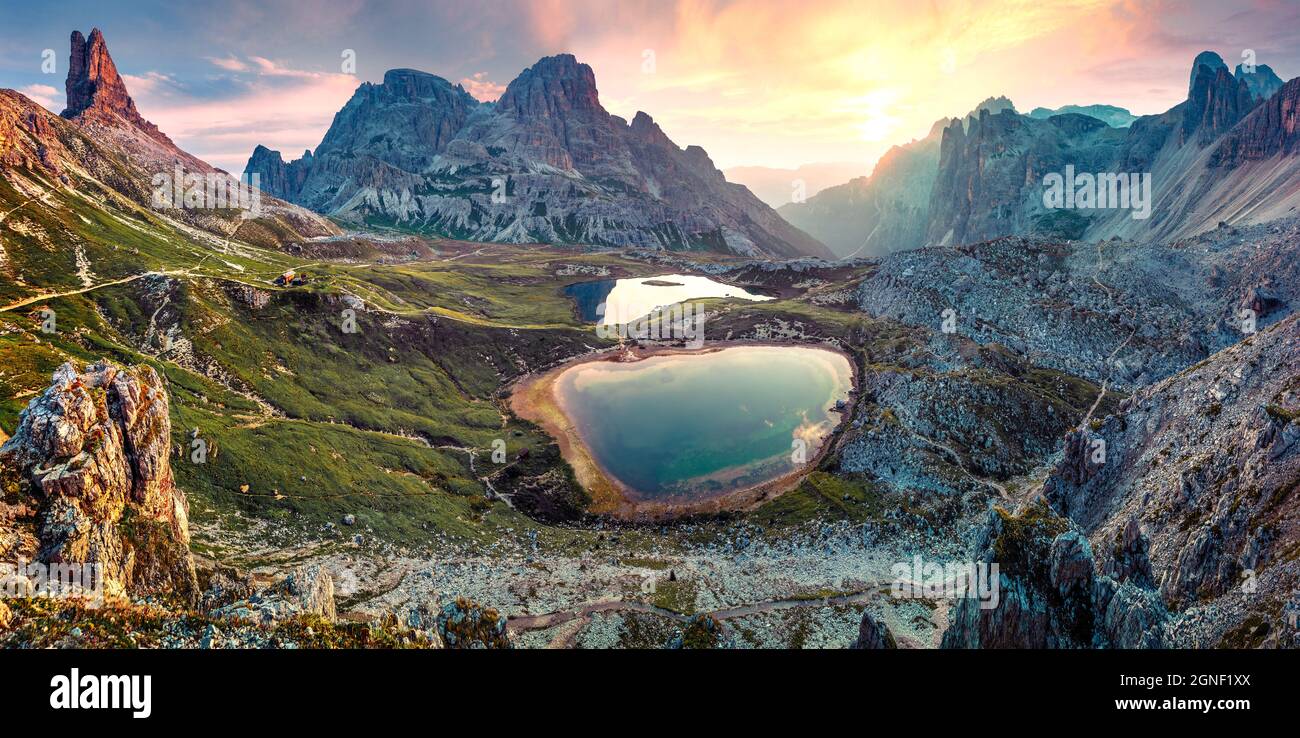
x: 230, y: 64
x: 482, y: 88
x: 260, y: 66
x: 45, y: 96
x: 780, y: 83
x: 268, y: 68
x: 152, y: 84
x: 259, y: 101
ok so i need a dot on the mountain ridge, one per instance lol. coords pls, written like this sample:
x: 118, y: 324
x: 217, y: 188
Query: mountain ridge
x: 1212, y: 157
x: 544, y: 163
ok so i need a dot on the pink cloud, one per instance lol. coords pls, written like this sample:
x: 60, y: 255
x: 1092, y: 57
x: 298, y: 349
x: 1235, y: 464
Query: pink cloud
x: 151, y: 83
x: 45, y: 96
x: 482, y: 88
x: 270, y: 68
x: 230, y: 64
x: 277, y: 106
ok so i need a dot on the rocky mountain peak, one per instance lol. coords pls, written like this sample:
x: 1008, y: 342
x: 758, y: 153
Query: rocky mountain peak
x: 272, y: 170
x: 938, y: 127
x: 643, y: 122
x: 1216, y: 101
x: 95, y: 89
x: 1271, y: 128
x: 644, y: 128
x: 553, y: 86
x: 986, y: 181
x: 990, y: 105
x: 1111, y: 115
x: 1210, y: 61
x: 1262, y: 82
x: 429, y: 156
x: 412, y: 84
x: 404, y: 121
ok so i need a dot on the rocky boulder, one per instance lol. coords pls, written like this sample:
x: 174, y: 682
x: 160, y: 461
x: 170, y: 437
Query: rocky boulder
x: 306, y: 591
x: 464, y: 623
x: 873, y: 635
x: 702, y: 632
x: 92, y: 451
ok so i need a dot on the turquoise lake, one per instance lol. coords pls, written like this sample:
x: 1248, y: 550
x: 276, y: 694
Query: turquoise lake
x: 701, y: 424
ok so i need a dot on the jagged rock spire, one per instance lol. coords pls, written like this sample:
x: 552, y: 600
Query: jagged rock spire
x: 95, y: 89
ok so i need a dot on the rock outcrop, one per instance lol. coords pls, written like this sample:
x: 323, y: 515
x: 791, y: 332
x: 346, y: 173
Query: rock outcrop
x: 93, y: 450
x: 464, y: 623
x: 889, y: 210
x: 1216, y: 102
x: 102, y: 145
x: 991, y: 170
x: 873, y: 635
x: 1207, y: 62
x: 1262, y: 83
x: 956, y: 430
x: 1271, y: 129
x: 1129, y: 312
x: 94, y: 88
x: 1197, y: 492
x: 544, y: 164
x: 702, y: 632
x: 277, y: 177
x: 306, y: 591
x: 1050, y: 595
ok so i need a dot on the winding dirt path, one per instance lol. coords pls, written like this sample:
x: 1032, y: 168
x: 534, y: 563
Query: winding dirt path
x: 25, y: 203
x: 55, y: 295
x: 957, y: 460
x: 1105, y: 384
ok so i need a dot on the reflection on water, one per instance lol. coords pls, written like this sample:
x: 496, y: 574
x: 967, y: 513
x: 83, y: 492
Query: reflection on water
x: 625, y: 300
x: 701, y: 424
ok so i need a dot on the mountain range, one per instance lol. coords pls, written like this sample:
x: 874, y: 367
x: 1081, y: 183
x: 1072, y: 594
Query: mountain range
x: 983, y: 177
x: 1111, y: 115
x: 546, y: 163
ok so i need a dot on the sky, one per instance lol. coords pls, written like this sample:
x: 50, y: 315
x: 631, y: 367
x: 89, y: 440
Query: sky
x: 773, y: 83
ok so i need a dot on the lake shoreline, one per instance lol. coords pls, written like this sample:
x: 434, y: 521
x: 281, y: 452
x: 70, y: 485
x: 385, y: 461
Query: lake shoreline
x: 533, y: 398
